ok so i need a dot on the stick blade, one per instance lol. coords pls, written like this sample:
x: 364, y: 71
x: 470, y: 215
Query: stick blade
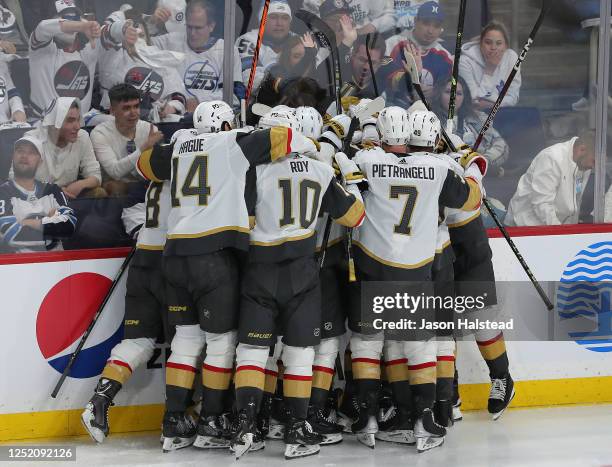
x: 372, y: 108
x: 413, y: 70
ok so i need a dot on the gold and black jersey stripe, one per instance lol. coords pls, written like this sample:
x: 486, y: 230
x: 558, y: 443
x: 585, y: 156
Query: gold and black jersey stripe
x: 155, y: 164
x: 383, y: 270
x: 207, y: 242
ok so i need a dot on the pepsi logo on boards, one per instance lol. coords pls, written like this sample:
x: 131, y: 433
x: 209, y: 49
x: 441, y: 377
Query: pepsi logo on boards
x: 65, y: 313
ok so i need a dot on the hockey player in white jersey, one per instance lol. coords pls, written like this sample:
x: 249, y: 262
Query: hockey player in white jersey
x: 201, y: 69
x: 63, y: 56
x: 145, y: 318
x: 207, y: 223
x: 281, y: 292
x: 276, y: 32
x: 391, y: 246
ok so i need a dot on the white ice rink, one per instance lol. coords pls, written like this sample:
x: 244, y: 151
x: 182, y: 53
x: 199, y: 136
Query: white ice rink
x: 560, y: 436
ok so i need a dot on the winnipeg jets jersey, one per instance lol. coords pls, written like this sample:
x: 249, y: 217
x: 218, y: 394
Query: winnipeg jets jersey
x: 398, y: 238
x: 208, y: 174
x: 10, y: 100
x: 200, y: 72
x: 290, y: 194
x: 57, y: 73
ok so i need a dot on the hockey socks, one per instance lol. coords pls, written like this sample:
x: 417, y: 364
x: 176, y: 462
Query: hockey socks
x: 493, y: 350
x: 445, y: 373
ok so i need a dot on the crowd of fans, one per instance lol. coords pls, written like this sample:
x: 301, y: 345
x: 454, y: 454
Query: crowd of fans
x: 89, y: 89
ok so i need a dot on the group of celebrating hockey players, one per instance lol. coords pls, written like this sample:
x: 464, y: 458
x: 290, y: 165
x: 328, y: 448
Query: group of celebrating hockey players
x: 231, y: 265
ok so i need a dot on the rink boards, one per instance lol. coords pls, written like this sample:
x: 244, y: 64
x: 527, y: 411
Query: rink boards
x: 48, y: 301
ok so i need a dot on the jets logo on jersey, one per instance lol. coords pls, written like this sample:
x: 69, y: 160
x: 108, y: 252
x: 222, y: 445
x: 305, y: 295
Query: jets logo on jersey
x: 146, y: 80
x: 180, y: 16
x: 201, y: 76
x: 72, y: 80
x: 64, y: 315
x: 2, y: 90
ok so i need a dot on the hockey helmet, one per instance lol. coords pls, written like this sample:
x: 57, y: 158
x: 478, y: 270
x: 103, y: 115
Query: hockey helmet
x: 310, y: 120
x: 425, y: 129
x: 281, y: 115
x: 209, y: 117
x: 393, y: 126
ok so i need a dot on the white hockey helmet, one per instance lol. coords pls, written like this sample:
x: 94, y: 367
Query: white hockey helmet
x: 425, y: 129
x: 210, y: 116
x: 182, y: 134
x: 281, y: 115
x: 393, y: 126
x: 310, y: 120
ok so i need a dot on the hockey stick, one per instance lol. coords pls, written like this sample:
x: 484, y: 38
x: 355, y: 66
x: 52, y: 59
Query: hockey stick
x: 412, y: 69
x: 367, y: 47
x: 260, y: 34
x: 455, y: 75
x: 107, y: 297
x: 546, y: 4
x: 327, y: 38
x: 373, y: 107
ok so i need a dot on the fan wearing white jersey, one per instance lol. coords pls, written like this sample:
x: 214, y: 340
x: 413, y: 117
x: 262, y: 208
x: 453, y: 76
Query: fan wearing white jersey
x: 397, y: 242
x: 276, y: 32
x: 281, y: 291
x: 63, y: 56
x: 201, y: 69
x: 207, y: 222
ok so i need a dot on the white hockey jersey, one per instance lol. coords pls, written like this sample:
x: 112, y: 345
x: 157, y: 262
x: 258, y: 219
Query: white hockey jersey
x: 399, y: 236
x: 290, y: 194
x: 10, y: 100
x: 201, y: 72
x: 57, y: 73
x: 379, y: 13
x: 208, y: 174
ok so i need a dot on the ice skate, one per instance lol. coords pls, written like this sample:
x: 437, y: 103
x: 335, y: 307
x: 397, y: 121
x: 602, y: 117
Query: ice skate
x: 348, y: 412
x: 95, y: 415
x: 178, y: 431
x: 366, y: 426
x: 427, y: 432
x: 246, y: 433
x: 502, y: 393
x: 443, y: 413
x: 457, y: 414
x: 300, y: 439
x: 325, y: 426
x: 212, y: 433
x: 396, y: 427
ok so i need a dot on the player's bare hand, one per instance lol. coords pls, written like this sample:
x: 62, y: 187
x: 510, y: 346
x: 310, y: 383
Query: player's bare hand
x: 349, y: 33
x: 308, y: 41
x: 161, y: 15
x: 8, y: 47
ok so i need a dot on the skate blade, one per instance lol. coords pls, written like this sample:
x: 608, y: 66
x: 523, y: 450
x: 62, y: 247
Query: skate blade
x: 293, y: 451
x: 95, y: 433
x: 367, y: 438
x: 457, y: 414
x: 398, y: 436
x: 345, y: 422
x: 242, y: 448
x: 330, y: 439
x: 425, y: 444
x: 208, y: 442
x: 499, y: 414
x: 276, y: 432
x: 172, y: 444
x: 258, y: 445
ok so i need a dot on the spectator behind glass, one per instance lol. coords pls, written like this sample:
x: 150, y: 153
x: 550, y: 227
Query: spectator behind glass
x: 433, y: 61
x: 202, y: 66
x: 33, y: 215
x: 550, y: 192
x: 469, y: 121
x: 63, y: 56
x: 154, y: 72
x: 486, y: 63
x: 372, y: 16
x: 276, y: 34
x: 361, y: 75
x: 295, y: 60
x: 119, y: 142
x: 68, y: 159
x: 11, y: 105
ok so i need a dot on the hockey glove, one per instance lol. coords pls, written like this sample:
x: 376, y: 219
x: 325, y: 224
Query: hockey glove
x: 336, y: 130
x: 473, y: 158
x: 351, y: 175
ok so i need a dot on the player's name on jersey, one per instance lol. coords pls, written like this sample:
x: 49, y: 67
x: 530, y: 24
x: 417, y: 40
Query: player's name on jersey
x: 465, y: 324
x: 397, y: 171
x: 193, y: 145
x: 298, y: 166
